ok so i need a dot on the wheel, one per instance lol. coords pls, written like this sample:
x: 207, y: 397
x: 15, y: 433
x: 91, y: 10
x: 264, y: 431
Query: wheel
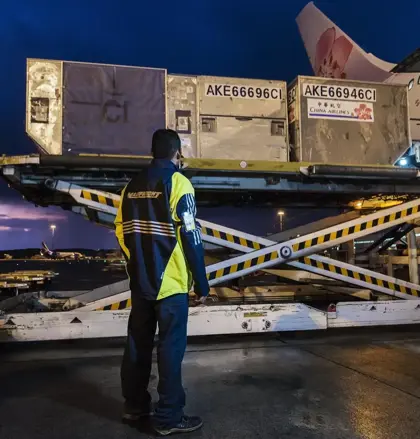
x: 285, y: 252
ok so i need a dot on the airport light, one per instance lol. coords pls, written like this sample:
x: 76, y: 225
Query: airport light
x: 281, y: 214
x: 403, y: 162
x: 52, y: 227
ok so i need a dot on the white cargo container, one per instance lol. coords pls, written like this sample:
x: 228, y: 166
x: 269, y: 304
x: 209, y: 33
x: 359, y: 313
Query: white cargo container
x: 182, y: 104
x: 229, y: 118
x: 347, y: 122
x: 84, y: 108
x: 243, y: 119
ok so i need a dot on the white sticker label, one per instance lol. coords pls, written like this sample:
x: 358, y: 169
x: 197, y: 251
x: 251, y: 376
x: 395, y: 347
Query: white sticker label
x: 339, y: 92
x: 188, y: 220
x: 186, y: 146
x: 182, y: 123
x: 340, y: 110
x: 242, y: 91
x: 185, y: 142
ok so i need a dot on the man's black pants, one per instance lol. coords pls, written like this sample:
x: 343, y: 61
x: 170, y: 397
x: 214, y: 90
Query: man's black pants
x: 171, y: 316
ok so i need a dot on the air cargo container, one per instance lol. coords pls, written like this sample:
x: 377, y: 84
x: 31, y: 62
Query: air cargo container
x: 243, y: 119
x: 347, y: 122
x: 229, y: 118
x: 85, y: 108
x: 77, y: 108
x: 183, y: 104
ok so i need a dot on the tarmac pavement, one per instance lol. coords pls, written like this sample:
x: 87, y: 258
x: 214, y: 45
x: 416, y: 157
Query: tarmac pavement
x: 336, y: 385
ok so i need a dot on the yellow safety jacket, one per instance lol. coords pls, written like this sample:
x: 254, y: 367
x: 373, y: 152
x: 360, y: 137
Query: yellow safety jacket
x: 158, y: 234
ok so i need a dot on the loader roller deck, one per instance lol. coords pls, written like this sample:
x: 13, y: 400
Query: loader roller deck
x: 220, y: 182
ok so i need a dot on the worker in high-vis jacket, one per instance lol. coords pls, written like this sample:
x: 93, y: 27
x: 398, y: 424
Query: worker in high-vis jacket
x: 161, y: 241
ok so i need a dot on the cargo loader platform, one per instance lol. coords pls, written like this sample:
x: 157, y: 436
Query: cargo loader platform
x: 106, y: 316
x: 234, y: 182
x: 320, y: 143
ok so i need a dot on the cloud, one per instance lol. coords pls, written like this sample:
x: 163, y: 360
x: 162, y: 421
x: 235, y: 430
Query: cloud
x: 14, y: 229
x: 13, y: 211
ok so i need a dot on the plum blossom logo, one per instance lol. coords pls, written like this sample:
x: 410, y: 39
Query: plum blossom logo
x: 332, y: 55
x: 363, y: 112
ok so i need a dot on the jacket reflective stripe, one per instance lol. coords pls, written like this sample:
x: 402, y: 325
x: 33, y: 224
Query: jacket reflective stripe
x: 148, y: 227
x: 197, y: 237
x: 191, y: 204
x: 147, y: 230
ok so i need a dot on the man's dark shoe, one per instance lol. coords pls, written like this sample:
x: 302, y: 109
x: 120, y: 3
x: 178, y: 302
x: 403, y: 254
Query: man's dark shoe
x: 186, y: 425
x: 131, y: 416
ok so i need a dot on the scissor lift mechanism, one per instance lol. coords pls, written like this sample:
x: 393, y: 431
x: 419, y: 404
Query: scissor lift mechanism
x: 108, y: 317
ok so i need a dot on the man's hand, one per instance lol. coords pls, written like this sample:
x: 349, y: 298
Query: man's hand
x: 201, y: 300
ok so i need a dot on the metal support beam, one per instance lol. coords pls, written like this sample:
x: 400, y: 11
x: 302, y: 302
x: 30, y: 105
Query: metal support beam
x: 389, y: 234
x: 351, y: 253
x: 406, y: 228
x: 412, y: 258
x: 391, y: 237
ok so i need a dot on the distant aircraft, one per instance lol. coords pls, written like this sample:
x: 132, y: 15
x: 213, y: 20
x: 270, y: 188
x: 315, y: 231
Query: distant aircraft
x: 115, y: 261
x: 46, y: 252
x: 334, y: 54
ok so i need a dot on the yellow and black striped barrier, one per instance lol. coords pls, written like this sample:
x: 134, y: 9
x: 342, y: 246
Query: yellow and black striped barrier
x: 101, y: 199
x: 233, y: 239
x: 247, y: 242
x: 353, y: 274
x: 348, y: 231
x: 117, y: 306
x: 231, y: 269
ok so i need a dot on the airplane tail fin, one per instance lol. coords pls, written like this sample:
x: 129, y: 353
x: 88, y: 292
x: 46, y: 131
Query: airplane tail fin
x: 45, y: 250
x: 333, y: 53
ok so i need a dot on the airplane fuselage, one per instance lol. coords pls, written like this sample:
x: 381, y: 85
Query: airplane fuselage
x: 334, y: 54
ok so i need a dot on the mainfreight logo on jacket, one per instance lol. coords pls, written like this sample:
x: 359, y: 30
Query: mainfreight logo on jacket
x: 158, y: 234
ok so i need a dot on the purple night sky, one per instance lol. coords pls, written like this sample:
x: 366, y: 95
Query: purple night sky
x: 213, y: 38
